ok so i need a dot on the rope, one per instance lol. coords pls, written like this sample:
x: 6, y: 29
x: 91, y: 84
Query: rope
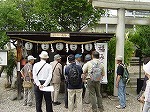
x: 57, y: 41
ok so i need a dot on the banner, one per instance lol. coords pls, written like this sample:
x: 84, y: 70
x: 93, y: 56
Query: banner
x: 102, y: 48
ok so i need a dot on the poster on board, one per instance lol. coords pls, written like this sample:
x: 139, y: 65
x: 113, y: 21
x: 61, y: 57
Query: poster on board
x: 102, y: 48
x: 3, y: 58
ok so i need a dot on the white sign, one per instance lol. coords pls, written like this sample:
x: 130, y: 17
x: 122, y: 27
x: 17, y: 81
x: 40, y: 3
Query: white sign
x: 59, y: 46
x: 45, y: 46
x: 28, y: 46
x: 73, y: 47
x: 3, y: 58
x: 67, y: 35
x: 102, y: 48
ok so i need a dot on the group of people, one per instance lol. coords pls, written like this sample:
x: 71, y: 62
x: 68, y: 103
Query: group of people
x: 77, y: 74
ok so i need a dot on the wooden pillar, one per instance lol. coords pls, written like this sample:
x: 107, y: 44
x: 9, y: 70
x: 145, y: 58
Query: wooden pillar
x: 19, y: 56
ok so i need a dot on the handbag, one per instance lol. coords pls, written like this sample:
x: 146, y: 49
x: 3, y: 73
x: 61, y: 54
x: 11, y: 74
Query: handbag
x: 27, y: 84
x: 140, y: 96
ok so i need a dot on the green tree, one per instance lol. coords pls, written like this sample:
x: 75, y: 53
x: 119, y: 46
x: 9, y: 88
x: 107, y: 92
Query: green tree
x: 70, y: 15
x: 11, y: 19
x: 141, y: 39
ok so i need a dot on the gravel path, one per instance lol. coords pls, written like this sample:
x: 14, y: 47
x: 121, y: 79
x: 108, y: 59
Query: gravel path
x: 6, y: 105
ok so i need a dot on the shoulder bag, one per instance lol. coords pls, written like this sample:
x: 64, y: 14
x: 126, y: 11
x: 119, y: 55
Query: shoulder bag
x: 29, y: 84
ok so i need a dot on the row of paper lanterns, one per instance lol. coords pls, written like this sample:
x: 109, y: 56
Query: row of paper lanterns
x: 60, y: 46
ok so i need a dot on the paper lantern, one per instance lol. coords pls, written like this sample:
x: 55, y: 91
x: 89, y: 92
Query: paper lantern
x: 45, y: 46
x: 28, y: 46
x: 73, y: 47
x: 88, y: 47
x: 59, y: 46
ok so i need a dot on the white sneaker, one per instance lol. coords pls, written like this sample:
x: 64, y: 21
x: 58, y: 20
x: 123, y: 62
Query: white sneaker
x: 119, y: 107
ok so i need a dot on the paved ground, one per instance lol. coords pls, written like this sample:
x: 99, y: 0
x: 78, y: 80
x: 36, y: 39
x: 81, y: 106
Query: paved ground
x: 6, y: 105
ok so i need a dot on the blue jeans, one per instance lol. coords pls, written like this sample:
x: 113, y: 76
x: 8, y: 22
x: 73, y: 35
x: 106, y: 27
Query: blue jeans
x: 146, y: 107
x: 122, y: 93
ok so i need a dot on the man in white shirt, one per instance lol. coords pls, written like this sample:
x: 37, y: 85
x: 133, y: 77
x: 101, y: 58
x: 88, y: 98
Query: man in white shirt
x: 42, y: 74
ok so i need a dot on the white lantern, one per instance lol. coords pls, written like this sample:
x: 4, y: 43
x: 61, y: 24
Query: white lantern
x: 59, y: 46
x: 28, y: 46
x: 45, y: 46
x: 88, y: 47
x: 73, y: 47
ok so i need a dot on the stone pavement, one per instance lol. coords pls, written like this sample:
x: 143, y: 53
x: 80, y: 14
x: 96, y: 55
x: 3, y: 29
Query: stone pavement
x: 6, y: 105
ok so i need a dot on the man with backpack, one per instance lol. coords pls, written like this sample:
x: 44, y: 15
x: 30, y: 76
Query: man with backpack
x: 73, y: 73
x: 93, y: 72
x: 120, y: 83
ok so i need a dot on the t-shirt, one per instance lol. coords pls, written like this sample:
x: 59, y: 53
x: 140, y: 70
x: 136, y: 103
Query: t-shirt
x: 87, y: 67
x: 80, y: 73
x: 26, y: 70
x: 120, y: 70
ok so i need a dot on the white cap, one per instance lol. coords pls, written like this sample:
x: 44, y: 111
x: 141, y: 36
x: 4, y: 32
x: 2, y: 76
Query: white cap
x: 146, y: 68
x: 30, y: 57
x: 120, y: 58
x: 44, y: 55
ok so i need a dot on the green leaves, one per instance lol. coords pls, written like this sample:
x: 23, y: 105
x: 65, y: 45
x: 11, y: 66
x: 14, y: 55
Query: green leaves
x: 11, y: 18
x: 73, y: 15
x: 141, y: 39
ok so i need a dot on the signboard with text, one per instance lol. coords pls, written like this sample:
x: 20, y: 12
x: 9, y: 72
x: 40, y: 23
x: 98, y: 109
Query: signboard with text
x: 3, y: 58
x: 102, y: 48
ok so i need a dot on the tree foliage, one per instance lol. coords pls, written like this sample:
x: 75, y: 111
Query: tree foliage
x: 11, y: 19
x: 71, y: 15
x: 141, y: 39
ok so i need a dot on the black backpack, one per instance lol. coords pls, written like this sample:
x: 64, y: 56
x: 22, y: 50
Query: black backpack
x: 73, y: 76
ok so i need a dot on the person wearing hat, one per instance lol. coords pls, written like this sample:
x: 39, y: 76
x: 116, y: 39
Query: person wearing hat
x: 73, y: 73
x: 119, y: 83
x: 78, y: 59
x: 86, y: 96
x: 56, y: 79
x: 42, y: 75
x: 94, y: 85
x: 80, y: 63
x: 26, y: 73
x: 66, y: 84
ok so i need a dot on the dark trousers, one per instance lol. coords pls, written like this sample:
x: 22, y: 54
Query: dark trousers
x: 84, y: 89
x: 39, y: 97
